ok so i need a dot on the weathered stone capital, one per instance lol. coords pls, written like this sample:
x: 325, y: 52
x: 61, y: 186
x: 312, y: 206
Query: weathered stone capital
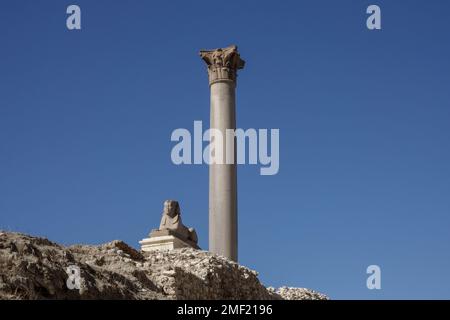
x: 222, y: 63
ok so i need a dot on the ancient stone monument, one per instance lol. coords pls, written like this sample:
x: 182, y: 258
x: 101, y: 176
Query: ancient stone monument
x: 223, y: 64
x: 172, y: 233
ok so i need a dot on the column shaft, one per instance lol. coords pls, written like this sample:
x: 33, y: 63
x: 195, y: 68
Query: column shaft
x: 223, y: 64
x: 223, y: 236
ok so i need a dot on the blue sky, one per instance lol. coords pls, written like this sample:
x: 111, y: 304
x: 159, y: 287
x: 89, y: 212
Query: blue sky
x: 86, y: 118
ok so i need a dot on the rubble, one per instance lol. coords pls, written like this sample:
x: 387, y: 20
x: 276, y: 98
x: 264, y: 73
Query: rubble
x: 36, y: 268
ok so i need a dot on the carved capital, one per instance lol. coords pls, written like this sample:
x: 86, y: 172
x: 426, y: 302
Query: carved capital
x: 222, y: 63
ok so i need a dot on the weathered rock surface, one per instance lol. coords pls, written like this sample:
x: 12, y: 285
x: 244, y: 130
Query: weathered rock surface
x: 36, y: 268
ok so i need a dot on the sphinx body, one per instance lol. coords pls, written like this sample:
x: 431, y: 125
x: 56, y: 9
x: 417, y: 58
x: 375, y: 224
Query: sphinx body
x: 171, y: 221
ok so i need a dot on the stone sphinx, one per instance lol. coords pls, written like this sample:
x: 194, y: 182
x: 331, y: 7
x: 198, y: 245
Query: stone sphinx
x: 172, y: 233
x: 171, y: 220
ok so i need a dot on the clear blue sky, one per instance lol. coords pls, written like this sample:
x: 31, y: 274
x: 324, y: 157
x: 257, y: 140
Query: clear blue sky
x: 86, y: 118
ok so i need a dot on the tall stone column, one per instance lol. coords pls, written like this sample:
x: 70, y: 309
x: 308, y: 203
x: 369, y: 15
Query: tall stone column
x: 222, y: 71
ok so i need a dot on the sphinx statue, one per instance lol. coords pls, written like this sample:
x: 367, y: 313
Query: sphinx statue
x: 171, y: 224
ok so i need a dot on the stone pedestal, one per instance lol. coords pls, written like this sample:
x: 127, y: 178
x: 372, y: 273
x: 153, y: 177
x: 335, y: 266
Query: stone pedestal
x: 162, y: 243
x: 165, y: 240
x: 222, y: 71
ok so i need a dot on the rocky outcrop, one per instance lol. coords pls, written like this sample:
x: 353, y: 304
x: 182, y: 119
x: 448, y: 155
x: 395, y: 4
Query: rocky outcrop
x: 289, y: 293
x: 36, y: 268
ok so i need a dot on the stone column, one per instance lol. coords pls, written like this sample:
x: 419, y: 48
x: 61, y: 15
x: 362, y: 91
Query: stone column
x: 222, y: 71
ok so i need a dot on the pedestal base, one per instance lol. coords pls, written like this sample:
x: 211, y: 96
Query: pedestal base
x: 168, y: 242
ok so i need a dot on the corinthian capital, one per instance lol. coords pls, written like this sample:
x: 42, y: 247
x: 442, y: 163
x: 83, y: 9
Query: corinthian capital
x: 222, y: 63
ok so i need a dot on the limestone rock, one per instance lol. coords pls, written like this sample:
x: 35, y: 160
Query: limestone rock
x: 288, y: 293
x: 36, y: 268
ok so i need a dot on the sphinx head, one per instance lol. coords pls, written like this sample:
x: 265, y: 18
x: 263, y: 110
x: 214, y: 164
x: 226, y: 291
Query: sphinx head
x: 171, y: 208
